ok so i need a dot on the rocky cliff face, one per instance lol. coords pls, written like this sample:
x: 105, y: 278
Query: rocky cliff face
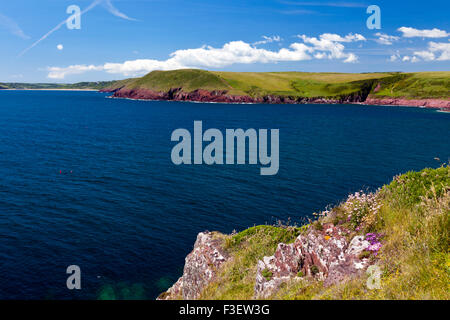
x: 177, y: 94
x: 200, y: 269
x: 426, y: 103
x: 324, y: 255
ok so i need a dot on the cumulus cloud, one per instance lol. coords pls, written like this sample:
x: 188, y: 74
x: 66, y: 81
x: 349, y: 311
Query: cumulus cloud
x: 337, y: 38
x: 394, y: 57
x: 327, y: 46
x: 385, y: 38
x: 409, y: 32
x: 330, y: 46
x: 268, y: 40
x: 436, y: 51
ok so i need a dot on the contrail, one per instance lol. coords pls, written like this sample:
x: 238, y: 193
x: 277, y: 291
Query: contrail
x: 113, y: 10
x: 109, y: 7
x: 12, y: 26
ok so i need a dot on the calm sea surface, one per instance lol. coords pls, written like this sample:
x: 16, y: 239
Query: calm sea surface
x: 89, y: 181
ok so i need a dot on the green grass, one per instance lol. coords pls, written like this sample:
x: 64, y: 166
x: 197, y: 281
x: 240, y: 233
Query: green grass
x: 189, y: 80
x: 292, y: 84
x: 296, y: 84
x: 416, y: 85
x: 237, y: 277
x: 414, y: 259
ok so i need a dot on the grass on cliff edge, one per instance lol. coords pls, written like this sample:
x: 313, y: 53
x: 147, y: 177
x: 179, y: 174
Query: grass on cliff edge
x: 414, y: 259
x: 296, y: 84
x: 416, y: 85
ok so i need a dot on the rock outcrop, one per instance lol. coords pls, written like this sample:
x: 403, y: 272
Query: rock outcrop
x: 200, y: 95
x: 323, y: 255
x: 425, y: 103
x: 200, y: 268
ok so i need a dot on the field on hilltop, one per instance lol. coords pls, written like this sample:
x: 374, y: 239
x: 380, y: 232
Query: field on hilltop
x: 295, y: 84
x: 417, y: 85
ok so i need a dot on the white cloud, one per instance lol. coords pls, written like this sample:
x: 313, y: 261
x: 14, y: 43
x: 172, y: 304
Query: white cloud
x: 352, y: 58
x: 425, y: 55
x: 61, y: 73
x: 348, y: 38
x: 395, y: 56
x: 436, y: 51
x: 231, y: 53
x: 440, y: 49
x: 385, y: 38
x: 268, y: 40
x: 409, y: 32
x: 12, y: 26
x: 330, y: 46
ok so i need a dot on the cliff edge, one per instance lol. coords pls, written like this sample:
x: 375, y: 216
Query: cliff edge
x: 390, y: 244
x: 426, y: 89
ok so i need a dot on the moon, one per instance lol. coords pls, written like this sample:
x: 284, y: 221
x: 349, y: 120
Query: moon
x: 59, y: 47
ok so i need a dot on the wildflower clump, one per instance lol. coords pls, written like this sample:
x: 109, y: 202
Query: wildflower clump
x: 362, y: 209
x: 375, y: 243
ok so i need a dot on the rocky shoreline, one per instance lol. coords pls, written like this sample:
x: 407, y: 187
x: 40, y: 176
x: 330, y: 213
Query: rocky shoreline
x: 200, y: 95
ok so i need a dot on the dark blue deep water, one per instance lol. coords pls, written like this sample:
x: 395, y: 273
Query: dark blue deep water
x: 88, y: 181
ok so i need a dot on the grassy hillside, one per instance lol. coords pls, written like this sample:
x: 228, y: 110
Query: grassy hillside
x: 296, y: 84
x: 293, y: 84
x: 299, y: 84
x: 412, y: 215
x: 413, y: 85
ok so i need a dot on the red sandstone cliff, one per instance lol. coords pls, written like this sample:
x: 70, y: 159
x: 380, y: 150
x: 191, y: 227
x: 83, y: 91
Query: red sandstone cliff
x: 200, y: 95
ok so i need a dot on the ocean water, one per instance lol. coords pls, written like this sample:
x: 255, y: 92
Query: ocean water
x: 88, y: 181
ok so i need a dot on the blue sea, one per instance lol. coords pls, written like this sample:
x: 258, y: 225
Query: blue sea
x: 88, y: 181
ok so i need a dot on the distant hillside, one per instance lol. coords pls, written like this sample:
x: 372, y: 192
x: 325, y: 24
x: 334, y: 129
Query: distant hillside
x: 36, y: 86
x: 429, y: 89
x: 425, y: 89
x: 409, y: 85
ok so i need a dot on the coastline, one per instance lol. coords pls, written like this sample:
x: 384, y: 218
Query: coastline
x: 49, y: 89
x: 204, y: 96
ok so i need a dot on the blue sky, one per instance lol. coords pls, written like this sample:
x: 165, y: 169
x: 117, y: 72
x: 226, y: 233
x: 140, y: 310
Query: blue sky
x: 125, y: 38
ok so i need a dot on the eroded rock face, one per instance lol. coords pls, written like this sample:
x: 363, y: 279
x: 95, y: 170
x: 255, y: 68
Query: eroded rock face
x: 426, y: 103
x: 324, y: 255
x: 200, y: 268
x: 200, y: 95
